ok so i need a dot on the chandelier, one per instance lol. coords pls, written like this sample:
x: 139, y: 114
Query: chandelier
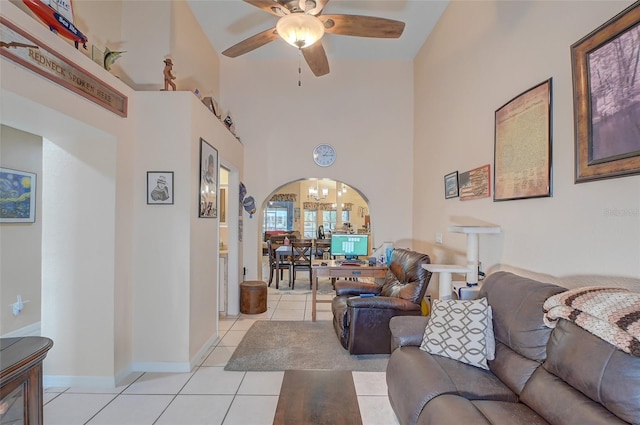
x: 318, y: 194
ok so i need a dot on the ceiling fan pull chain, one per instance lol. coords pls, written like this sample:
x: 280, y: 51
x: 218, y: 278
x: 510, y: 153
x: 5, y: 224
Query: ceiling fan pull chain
x: 299, y: 67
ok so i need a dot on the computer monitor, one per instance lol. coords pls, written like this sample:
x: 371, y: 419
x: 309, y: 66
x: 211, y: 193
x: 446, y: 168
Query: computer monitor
x: 351, y: 246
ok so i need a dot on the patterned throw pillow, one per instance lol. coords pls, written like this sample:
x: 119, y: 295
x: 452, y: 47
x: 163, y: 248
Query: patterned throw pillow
x: 458, y: 329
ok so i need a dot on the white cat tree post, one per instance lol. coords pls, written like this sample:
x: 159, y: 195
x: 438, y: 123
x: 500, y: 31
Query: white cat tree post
x: 471, y: 269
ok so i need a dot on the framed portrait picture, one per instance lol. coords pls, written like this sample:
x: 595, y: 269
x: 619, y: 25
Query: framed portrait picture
x: 208, y: 181
x: 606, y: 99
x: 18, y: 196
x: 522, y: 146
x: 451, y: 185
x: 160, y: 187
x: 475, y: 184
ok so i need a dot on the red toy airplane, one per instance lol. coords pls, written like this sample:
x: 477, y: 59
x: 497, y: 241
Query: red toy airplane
x: 58, y: 15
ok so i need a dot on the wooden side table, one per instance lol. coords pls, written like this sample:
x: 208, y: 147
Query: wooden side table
x: 21, y: 378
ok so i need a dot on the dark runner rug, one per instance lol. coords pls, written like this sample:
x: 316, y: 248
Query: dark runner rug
x: 318, y: 397
x: 286, y: 345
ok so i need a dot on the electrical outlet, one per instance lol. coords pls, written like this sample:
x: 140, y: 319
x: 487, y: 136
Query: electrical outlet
x: 439, y: 238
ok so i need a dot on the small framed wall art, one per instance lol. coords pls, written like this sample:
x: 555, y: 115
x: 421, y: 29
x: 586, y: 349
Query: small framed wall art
x: 451, y: 185
x: 18, y: 196
x: 475, y: 184
x: 160, y: 187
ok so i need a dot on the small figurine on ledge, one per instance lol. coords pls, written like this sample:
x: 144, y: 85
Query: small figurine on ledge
x: 168, y: 76
x: 110, y: 57
x: 230, y: 125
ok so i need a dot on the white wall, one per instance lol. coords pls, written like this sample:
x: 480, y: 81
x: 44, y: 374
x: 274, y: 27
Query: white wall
x: 21, y: 264
x: 94, y: 251
x: 176, y: 253
x: 461, y: 78
x: 366, y: 115
x: 86, y: 281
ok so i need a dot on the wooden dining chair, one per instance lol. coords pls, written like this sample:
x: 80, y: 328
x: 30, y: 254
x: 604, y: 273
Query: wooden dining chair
x: 323, y: 246
x: 274, y: 264
x: 301, y: 259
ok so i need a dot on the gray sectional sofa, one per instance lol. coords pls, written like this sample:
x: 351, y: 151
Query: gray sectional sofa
x: 540, y: 375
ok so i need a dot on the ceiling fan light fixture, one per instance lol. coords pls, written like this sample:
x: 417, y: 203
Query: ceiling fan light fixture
x: 300, y: 30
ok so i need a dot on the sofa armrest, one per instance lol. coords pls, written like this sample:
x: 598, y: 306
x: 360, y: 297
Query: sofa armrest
x: 349, y: 287
x: 407, y: 330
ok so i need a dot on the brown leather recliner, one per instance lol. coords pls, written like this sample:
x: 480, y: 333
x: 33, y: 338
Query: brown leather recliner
x: 362, y: 324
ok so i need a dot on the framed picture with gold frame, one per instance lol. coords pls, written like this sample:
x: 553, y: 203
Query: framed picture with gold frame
x: 606, y: 90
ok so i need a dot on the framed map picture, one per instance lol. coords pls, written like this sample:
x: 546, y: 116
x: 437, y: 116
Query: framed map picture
x: 522, y: 150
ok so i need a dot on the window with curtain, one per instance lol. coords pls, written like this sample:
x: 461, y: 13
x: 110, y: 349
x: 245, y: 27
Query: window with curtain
x: 329, y: 218
x: 278, y: 216
x: 310, y: 223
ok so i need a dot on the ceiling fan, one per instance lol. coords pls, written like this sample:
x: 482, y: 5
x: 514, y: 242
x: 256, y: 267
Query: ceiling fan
x: 302, y: 24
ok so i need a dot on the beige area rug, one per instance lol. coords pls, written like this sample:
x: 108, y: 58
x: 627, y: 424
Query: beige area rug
x: 288, y: 345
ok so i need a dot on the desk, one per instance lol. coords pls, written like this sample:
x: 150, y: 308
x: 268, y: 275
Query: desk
x: 333, y: 269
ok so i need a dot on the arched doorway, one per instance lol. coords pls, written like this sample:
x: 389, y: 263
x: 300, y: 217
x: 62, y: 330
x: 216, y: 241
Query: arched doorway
x: 310, y: 206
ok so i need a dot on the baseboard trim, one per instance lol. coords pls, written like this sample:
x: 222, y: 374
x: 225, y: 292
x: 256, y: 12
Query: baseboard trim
x: 124, y: 376
x: 29, y: 330
x: 160, y: 367
x: 78, y: 381
x: 204, y: 350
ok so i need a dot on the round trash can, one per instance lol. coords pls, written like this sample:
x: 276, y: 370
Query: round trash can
x: 253, y: 297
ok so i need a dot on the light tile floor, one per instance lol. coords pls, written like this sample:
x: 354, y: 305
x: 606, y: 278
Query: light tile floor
x: 209, y: 394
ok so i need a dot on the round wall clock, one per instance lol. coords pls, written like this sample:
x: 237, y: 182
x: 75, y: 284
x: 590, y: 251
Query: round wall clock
x: 324, y: 155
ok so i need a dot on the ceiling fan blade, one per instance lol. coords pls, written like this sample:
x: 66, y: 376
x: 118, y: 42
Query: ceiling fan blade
x: 269, y: 6
x: 320, y: 4
x: 251, y: 43
x: 362, y: 26
x: 316, y: 59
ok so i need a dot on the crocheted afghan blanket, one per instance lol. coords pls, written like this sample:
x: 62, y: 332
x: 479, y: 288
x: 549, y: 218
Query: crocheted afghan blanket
x: 612, y: 314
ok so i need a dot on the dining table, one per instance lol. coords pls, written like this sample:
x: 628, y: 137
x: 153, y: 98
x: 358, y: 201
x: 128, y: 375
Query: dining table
x: 285, y: 251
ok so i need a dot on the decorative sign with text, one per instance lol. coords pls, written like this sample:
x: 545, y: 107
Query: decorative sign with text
x: 23, y: 49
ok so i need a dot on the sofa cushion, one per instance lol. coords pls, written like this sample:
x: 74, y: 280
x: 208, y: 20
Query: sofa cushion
x: 561, y: 404
x: 596, y: 368
x: 458, y: 329
x: 414, y: 377
x: 517, y: 312
x: 512, y: 368
x: 455, y: 410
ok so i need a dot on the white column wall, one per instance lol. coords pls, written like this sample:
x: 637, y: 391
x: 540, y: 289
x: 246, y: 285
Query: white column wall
x: 78, y: 249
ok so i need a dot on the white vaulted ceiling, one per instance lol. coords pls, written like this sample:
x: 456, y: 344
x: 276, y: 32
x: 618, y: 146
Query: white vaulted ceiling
x: 227, y: 22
